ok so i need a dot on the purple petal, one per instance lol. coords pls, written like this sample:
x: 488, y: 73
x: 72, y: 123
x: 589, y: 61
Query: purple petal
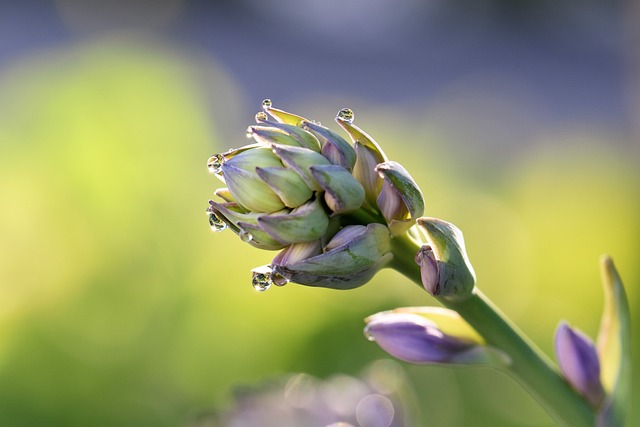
x: 578, y: 362
x: 429, y: 273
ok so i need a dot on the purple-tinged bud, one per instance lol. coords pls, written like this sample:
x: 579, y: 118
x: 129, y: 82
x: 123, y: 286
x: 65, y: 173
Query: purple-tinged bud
x: 400, y: 199
x: 267, y: 135
x: 245, y: 185
x: 334, y: 147
x: 342, y: 193
x: 300, y: 160
x: 305, y: 139
x: 415, y: 336
x: 287, y: 184
x: 579, y: 363
x: 303, y: 224
x: 280, y: 115
x: 244, y: 224
x: 456, y: 278
x: 428, y: 269
x: 298, y: 252
x: 368, y: 156
x: 352, y: 260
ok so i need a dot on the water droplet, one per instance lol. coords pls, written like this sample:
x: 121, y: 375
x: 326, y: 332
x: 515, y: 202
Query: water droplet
x: 245, y: 236
x: 214, y: 164
x: 368, y: 335
x: 261, y: 281
x: 266, y: 103
x: 249, y: 133
x: 261, y: 116
x: 216, y: 223
x: 278, y: 279
x: 345, y: 115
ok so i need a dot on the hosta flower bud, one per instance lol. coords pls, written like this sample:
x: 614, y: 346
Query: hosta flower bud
x: 425, y: 335
x: 368, y: 156
x: 330, y: 206
x: 247, y: 188
x: 579, y: 363
x: 334, y: 147
x: 400, y: 199
x: 349, y: 260
x: 455, y: 276
x: 342, y: 193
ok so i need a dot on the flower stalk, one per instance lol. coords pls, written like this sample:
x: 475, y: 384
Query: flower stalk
x: 531, y: 368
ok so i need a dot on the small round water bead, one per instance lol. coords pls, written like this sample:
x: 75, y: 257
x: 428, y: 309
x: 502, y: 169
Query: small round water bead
x: 345, y: 115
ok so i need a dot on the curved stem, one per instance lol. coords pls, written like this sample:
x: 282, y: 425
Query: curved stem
x: 530, y: 367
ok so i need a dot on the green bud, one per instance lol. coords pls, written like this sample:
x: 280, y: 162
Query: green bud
x: 400, y: 200
x: 287, y: 184
x: 303, y: 224
x: 455, y: 276
x: 352, y: 260
x: 300, y: 160
x: 224, y: 194
x: 267, y: 135
x: 334, y: 147
x: 245, y: 224
x: 305, y: 139
x: 342, y: 192
x: 280, y: 115
x: 368, y: 155
x: 250, y: 191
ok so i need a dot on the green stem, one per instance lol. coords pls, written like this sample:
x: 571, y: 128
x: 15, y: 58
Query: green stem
x: 530, y: 367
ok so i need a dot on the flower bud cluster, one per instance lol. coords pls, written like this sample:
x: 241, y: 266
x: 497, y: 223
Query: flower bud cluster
x: 331, y: 206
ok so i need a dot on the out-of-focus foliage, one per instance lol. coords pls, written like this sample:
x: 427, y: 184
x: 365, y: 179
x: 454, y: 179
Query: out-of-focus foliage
x: 118, y: 306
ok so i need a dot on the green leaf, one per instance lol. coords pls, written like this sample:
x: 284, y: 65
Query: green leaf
x: 614, y: 348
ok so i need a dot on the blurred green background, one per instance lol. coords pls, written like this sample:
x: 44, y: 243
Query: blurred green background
x: 119, y: 307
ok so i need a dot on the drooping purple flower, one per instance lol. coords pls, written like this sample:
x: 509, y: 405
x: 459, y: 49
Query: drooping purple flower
x: 579, y: 363
x: 414, y: 339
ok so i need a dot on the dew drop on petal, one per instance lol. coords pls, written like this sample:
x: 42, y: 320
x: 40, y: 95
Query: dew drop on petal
x: 245, y: 236
x: 216, y: 223
x: 266, y: 103
x: 261, y: 281
x: 368, y: 336
x: 249, y: 133
x: 345, y: 115
x: 214, y: 164
x: 261, y: 116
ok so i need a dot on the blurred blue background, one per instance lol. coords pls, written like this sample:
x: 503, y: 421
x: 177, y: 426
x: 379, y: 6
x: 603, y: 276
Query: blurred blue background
x: 520, y: 121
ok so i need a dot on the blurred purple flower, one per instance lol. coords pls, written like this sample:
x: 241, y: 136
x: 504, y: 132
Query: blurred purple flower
x: 378, y: 398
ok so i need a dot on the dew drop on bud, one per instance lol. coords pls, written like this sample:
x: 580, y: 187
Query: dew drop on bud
x: 216, y: 223
x: 278, y: 279
x: 249, y: 133
x: 261, y: 280
x: 345, y: 115
x: 266, y: 103
x: 245, y: 236
x: 214, y: 164
x: 261, y: 116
